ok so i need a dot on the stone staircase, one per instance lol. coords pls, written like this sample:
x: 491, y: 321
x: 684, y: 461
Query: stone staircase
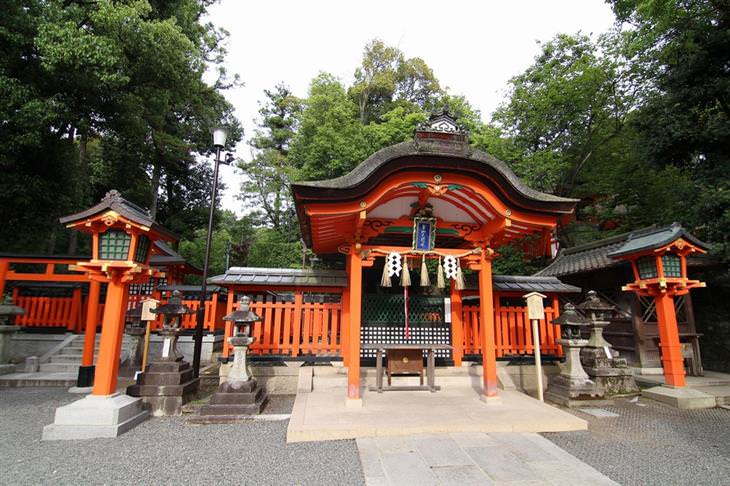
x: 68, y: 358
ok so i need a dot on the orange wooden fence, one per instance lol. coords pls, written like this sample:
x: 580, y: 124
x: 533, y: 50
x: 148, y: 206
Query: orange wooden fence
x: 213, y: 317
x: 296, y: 328
x: 512, y: 332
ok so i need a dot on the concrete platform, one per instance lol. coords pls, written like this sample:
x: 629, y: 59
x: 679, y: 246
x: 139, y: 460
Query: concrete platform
x: 710, y: 390
x: 95, y: 417
x: 322, y: 414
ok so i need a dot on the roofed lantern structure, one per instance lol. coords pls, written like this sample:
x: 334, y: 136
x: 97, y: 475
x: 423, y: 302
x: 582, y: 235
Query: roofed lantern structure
x: 434, y: 198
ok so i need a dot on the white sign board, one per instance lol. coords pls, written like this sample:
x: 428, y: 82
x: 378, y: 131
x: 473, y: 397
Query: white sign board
x: 447, y: 309
x: 147, y: 306
x: 535, y: 308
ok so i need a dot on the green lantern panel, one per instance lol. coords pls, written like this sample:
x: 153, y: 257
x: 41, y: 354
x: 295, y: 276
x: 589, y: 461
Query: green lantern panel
x: 672, y: 265
x: 143, y: 246
x: 114, y: 245
x: 647, y: 267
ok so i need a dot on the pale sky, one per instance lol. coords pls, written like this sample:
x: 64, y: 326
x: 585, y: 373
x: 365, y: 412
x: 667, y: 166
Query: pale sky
x: 473, y: 47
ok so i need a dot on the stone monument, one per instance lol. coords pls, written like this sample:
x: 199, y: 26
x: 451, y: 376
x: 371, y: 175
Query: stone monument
x: 573, y: 386
x: 240, y: 395
x: 610, y: 373
x: 167, y: 383
x: 8, y: 311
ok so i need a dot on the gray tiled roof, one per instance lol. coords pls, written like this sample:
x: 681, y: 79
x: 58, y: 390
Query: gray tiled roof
x: 113, y: 200
x: 519, y: 283
x: 599, y: 254
x: 279, y: 277
x: 654, y: 239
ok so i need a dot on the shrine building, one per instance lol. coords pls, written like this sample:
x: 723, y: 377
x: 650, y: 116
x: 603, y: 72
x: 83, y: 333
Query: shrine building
x: 414, y: 230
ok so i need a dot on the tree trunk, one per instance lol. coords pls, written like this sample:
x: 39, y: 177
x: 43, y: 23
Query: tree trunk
x: 156, y: 174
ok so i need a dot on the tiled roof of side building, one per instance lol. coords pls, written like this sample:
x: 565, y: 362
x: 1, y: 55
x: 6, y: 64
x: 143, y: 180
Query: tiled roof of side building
x: 600, y: 254
x: 280, y: 277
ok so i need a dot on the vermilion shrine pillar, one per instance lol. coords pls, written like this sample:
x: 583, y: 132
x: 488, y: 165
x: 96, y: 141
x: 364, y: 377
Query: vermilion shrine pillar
x: 355, y: 310
x: 86, y: 370
x: 486, y: 321
x: 457, y: 327
x: 671, y: 347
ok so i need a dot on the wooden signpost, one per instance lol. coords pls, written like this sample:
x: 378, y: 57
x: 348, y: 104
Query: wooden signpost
x: 536, y: 313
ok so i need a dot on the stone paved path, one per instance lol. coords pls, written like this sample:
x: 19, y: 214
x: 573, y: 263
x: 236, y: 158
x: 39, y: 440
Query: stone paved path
x: 472, y: 458
x: 651, y: 444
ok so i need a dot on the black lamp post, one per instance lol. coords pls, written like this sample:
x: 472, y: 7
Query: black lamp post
x: 219, y: 141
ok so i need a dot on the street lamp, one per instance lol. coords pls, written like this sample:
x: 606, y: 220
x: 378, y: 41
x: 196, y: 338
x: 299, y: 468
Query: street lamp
x: 219, y: 141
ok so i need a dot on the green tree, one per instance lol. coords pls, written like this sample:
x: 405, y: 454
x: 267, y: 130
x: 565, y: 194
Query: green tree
x: 330, y: 140
x: 565, y: 108
x: 122, y: 77
x: 268, y: 174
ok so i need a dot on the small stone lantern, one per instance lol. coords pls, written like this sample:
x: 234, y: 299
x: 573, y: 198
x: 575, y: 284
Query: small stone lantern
x: 8, y: 311
x: 611, y: 373
x: 136, y: 329
x: 573, y: 385
x: 597, y: 311
x: 239, y: 395
x: 242, y: 319
x: 167, y: 383
x: 172, y: 313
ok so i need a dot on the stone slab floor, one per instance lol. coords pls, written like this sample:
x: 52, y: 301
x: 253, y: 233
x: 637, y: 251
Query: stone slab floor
x: 472, y: 458
x: 649, y: 443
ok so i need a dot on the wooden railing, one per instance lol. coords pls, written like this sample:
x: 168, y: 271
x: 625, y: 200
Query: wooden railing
x: 213, y: 317
x: 295, y: 328
x: 50, y: 312
x: 512, y: 332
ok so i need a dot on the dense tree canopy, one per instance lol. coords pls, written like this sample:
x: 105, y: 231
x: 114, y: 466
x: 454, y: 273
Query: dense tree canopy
x: 99, y: 95
x: 634, y: 122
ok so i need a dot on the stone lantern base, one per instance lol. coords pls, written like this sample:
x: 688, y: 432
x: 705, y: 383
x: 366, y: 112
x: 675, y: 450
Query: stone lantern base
x: 236, y: 398
x: 167, y: 384
x: 611, y: 374
x: 573, y: 387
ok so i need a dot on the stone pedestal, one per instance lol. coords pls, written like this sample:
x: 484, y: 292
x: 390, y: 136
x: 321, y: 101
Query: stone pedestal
x: 239, y: 396
x: 682, y: 397
x: 573, y: 387
x: 96, y: 416
x: 6, y: 332
x: 167, y: 383
x: 137, y: 333
x: 611, y: 373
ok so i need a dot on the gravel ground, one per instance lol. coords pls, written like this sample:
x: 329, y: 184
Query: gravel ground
x: 164, y: 451
x: 654, y: 444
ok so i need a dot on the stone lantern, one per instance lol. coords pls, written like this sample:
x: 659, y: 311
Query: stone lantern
x: 239, y: 395
x: 8, y: 311
x: 611, y: 373
x: 573, y: 384
x: 167, y: 383
x: 597, y: 311
x: 136, y: 329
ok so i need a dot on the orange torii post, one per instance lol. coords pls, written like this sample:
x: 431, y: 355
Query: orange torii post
x: 122, y: 239
x: 486, y: 314
x: 353, y: 337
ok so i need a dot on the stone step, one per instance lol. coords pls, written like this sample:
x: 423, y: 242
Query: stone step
x: 59, y: 367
